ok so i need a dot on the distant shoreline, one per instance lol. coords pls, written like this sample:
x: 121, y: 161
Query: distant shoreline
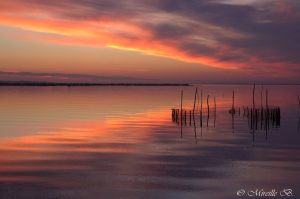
x: 86, y: 84
x: 49, y: 84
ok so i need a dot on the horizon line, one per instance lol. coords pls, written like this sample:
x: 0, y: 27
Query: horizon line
x: 39, y: 83
x: 30, y: 83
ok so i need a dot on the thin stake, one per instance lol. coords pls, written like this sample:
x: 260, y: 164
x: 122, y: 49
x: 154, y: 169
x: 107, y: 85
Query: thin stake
x: 254, y: 96
x: 201, y: 109
x: 181, y: 113
x: 181, y: 104
x: 232, y: 101
x: 198, y: 101
x: 207, y: 101
x: 267, y: 105
x: 215, y: 115
x: 261, y: 96
x: 207, y: 110
x: 195, y: 101
x: 185, y: 118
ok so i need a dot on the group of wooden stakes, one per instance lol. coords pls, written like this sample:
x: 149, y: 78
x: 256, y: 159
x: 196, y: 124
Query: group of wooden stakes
x: 262, y: 116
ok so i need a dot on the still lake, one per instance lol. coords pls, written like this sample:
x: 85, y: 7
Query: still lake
x: 121, y: 142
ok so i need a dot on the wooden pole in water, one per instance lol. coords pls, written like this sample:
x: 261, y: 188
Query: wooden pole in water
x: 195, y: 102
x: 185, y: 117
x: 198, y: 101
x: 232, y: 102
x: 215, y: 114
x: 207, y: 110
x: 254, y: 96
x: 252, y: 115
x: 201, y: 108
x: 261, y: 96
x: 181, y: 113
x: 267, y: 93
x: 232, y: 112
x: 266, y: 114
x: 173, y: 114
x: 181, y: 104
x: 207, y: 101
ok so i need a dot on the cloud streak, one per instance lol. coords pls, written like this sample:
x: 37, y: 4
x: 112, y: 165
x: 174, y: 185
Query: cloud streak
x: 259, y: 36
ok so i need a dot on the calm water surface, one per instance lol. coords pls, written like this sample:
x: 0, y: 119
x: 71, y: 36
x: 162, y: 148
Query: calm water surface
x: 120, y: 142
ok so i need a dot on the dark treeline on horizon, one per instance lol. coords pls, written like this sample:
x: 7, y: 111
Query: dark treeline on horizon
x: 87, y: 84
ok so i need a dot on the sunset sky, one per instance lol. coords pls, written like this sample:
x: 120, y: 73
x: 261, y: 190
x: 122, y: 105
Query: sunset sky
x: 211, y: 41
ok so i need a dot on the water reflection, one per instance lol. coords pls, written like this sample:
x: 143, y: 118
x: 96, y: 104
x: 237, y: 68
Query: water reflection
x: 77, y: 143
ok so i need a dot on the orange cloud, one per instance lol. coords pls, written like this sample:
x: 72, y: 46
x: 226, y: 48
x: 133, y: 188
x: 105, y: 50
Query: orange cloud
x: 113, y: 34
x: 192, y: 41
